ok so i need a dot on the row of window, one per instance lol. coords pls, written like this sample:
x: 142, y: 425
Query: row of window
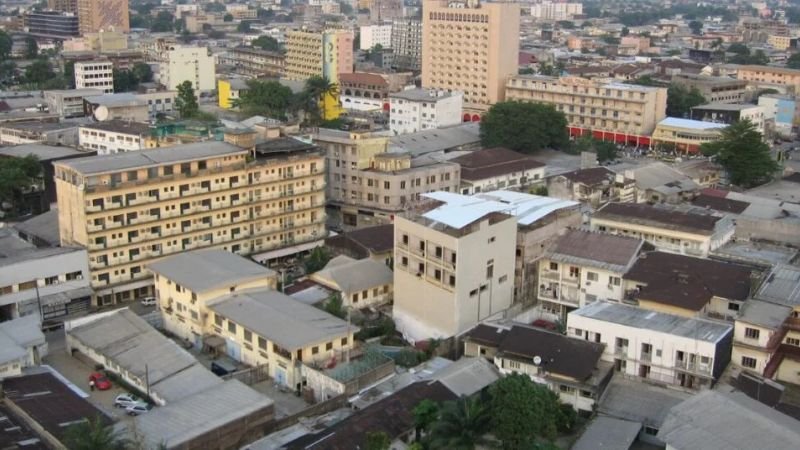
x: 48, y: 281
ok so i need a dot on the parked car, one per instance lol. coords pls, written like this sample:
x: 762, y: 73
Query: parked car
x: 149, y: 301
x: 100, y: 381
x: 125, y: 400
x: 222, y: 367
x: 139, y: 408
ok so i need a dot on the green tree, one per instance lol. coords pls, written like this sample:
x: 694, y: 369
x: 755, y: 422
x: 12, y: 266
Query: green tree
x: 5, y: 45
x: 31, y: 48
x: 39, y: 72
x: 228, y: 17
x: 794, y: 61
x: 462, y: 425
x: 565, y: 24
x: 315, y: 90
x: 346, y: 8
x: 523, y: 411
x: 425, y: 414
x: 317, y: 260
x: 69, y: 73
x: 333, y: 305
x: 124, y: 81
x: 744, y: 154
x: 186, y: 101
x: 738, y: 48
x: 142, y: 72
x: 524, y: 127
x: 680, y: 100
x: 7, y: 71
x: 696, y: 27
x: 15, y: 175
x: 268, y: 43
x: 266, y: 98
x: 377, y: 440
x: 243, y: 27
x: 644, y: 80
x: 163, y: 23
x: 94, y: 435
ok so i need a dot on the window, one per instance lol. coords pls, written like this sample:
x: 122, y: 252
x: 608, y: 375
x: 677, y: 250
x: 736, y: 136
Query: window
x: 513, y: 365
x: 231, y: 327
x: 591, y: 276
x: 751, y: 333
x: 314, y: 350
x: 262, y: 343
x: 566, y: 389
x: 553, y: 266
x: 344, y: 341
x: 329, y: 346
x: 793, y: 341
x: 248, y: 335
x: 574, y: 272
x: 733, y: 306
x: 614, y: 281
x: 749, y: 362
x: 502, y: 279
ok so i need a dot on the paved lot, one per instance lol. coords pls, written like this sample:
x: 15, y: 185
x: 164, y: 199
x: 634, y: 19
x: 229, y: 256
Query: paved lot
x: 78, y: 373
x: 286, y: 402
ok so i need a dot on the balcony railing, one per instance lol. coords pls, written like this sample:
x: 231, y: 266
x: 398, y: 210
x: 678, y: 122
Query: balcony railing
x: 704, y: 369
x: 621, y: 351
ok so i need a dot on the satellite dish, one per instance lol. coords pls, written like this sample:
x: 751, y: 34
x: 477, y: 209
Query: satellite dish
x: 101, y: 113
x: 537, y: 360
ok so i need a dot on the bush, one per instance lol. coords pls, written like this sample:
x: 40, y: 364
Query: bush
x: 408, y: 357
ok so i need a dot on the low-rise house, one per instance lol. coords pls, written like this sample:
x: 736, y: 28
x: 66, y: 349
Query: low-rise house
x: 370, y: 242
x: 663, y: 348
x: 583, y: 267
x: 39, y: 133
x: 359, y: 282
x: 729, y: 113
x: 569, y: 367
x: 124, y: 106
x: 757, y: 333
x: 116, y: 136
x: 69, y: 102
x: 704, y: 172
x: 688, y: 286
x: 22, y: 345
x: 659, y: 183
x: 497, y: 168
x: 667, y: 229
x: 595, y: 186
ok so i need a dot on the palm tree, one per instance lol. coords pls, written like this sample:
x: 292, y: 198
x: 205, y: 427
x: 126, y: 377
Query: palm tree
x: 462, y: 425
x: 316, y: 89
x: 93, y: 434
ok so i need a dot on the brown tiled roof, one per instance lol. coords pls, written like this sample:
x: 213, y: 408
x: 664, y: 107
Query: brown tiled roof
x: 492, y: 162
x: 377, y: 239
x: 561, y: 355
x: 579, y: 246
x: 643, y: 214
x: 487, y: 335
x: 392, y: 415
x: 362, y: 78
x: 688, y: 282
x: 720, y: 204
x: 590, y: 177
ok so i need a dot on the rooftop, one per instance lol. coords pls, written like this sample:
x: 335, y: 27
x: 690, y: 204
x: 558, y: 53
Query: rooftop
x: 713, y: 420
x: 639, y: 402
x: 458, y: 211
x: 279, y: 318
x: 467, y: 376
x: 377, y: 239
x: 663, y: 178
x: 560, y: 355
x: 118, y: 100
x: 120, y: 126
x: 721, y: 204
x: 593, y: 249
x: 41, y: 151
x: 486, y: 335
x: 205, y: 270
x: 352, y: 276
x: 440, y: 139
x: 363, y: 78
x: 690, y: 124
x: 764, y: 314
x: 161, y: 156
x: 422, y: 95
x: 17, y: 336
x: 43, y: 226
x: 591, y: 177
x: 672, y: 219
x: 782, y: 286
x: 633, y: 317
x: 528, y: 208
x: 688, y: 282
x: 493, y: 162
x: 724, y: 107
x: 609, y: 434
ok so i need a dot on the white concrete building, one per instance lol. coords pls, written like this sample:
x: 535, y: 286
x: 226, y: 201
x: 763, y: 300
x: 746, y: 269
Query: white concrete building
x: 195, y: 64
x: 416, y: 110
x: 372, y: 35
x: 496, y: 168
x: 95, y: 75
x: 22, y: 344
x: 686, y: 352
x: 556, y: 11
x: 114, y: 136
x: 454, y: 265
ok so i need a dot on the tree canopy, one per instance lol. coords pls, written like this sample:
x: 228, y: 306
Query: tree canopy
x: 524, y: 127
x: 606, y: 151
x: 268, y: 43
x: 39, y: 72
x: 743, y: 153
x: 523, y: 411
x: 794, y: 61
x: 5, y: 45
x: 266, y: 98
x: 680, y: 100
x: 31, y: 48
x: 186, y: 101
x: 93, y: 435
x: 743, y: 55
x: 15, y: 175
x: 462, y: 425
x: 696, y: 27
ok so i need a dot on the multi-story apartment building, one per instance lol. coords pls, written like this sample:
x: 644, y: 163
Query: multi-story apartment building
x: 622, y: 113
x: 454, y: 265
x: 63, y: 5
x: 470, y: 47
x: 556, y: 11
x: 663, y: 348
x: 667, y: 229
x: 318, y: 53
x: 181, y: 63
x: 713, y: 89
x: 130, y: 209
x: 757, y: 334
x: 109, y: 15
x: 413, y: 110
x: 407, y: 44
x: 51, y: 24
x: 366, y: 91
x: 368, y: 185
x: 372, y: 35
x: 727, y: 114
x: 780, y: 76
x: 781, y: 110
x: 95, y: 74
x: 780, y: 42
x: 595, y: 186
x: 253, y: 62
x: 581, y: 268
x: 497, y: 168
x: 116, y: 136
x: 685, y: 135
x: 16, y: 133
x: 241, y: 12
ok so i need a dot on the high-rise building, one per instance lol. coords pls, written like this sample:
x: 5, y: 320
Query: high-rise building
x: 130, y: 209
x: 52, y: 25
x: 106, y: 15
x: 556, y: 11
x: 470, y: 47
x: 372, y: 35
x: 318, y: 53
x: 95, y: 74
x: 63, y: 5
x: 407, y: 44
x: 181, y: 63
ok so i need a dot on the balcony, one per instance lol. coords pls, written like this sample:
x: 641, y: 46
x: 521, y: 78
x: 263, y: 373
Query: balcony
x: 550, y: 275
x: 646, y: 357
x: 621, y: 351
x: 695, y: 367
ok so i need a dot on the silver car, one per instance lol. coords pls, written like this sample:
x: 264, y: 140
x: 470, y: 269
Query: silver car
x: 139, y: 408
x: 125, y: 400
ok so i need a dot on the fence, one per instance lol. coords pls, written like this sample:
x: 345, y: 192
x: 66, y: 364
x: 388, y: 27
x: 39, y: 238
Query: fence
x: 315, y: 410
x: 250, y: 376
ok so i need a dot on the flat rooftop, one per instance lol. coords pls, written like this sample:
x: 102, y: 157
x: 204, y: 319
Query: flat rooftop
x: 458, y: 211
x: 120, y: 126
x: 594, y: 249
x: 440, y: 139
x: 633, y: 317
x: 764, y: 314
x: 782, y: 286
x: 667, y: 218
x: 422, y: 95
x: 204, y: 270
x: 118, y: 162
x: 493, y: 162
x: 724, y: 107
x: 690, y: 124
x: 41, y: 151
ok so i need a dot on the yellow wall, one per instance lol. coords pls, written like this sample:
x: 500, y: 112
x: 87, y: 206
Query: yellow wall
x: 224, y: 89
x: 331, y: 108
x: 669, y: 309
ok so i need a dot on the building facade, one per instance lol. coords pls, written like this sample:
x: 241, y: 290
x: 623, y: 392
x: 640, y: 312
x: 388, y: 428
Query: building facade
x: 556, y: 11
x: 115, y: 136
x: 780, y: 76
x: 685, y: 135
x: 415, y: 110
x: 470, y: 47
x: 713, y: 89
x: 95, y: 75
x: 407, y: 44
x: 728, y: 114
x: 253, y: 62
x: 107, y: 15
x: 372, y: 35
x: 612, y: 111
x: 782, y: 110
x: 52, y: 25
x: 129, y: 210
x: 194, y: 64
x: 318, y: 53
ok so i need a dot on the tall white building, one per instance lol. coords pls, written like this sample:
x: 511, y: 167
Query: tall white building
x: 195, y: 64
x: 556, y: 11
x: 416, y: 110
x: 95, y: 74
x: 372, y: 35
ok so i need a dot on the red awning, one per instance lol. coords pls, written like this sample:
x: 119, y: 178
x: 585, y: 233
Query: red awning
x: 644, y: 140
x: 597, y: 134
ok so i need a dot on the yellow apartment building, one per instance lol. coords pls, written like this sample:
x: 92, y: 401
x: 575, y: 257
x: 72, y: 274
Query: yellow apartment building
x: 470, y: 47
x: 612, y: 111
x: 770, y: 75
x: 321, y: 53
x: 130, y: 209
x: 103, y: 15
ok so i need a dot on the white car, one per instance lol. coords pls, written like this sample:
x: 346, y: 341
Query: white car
x: 125, y: 400
x: 139, y: 408
x: 149, y: 301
